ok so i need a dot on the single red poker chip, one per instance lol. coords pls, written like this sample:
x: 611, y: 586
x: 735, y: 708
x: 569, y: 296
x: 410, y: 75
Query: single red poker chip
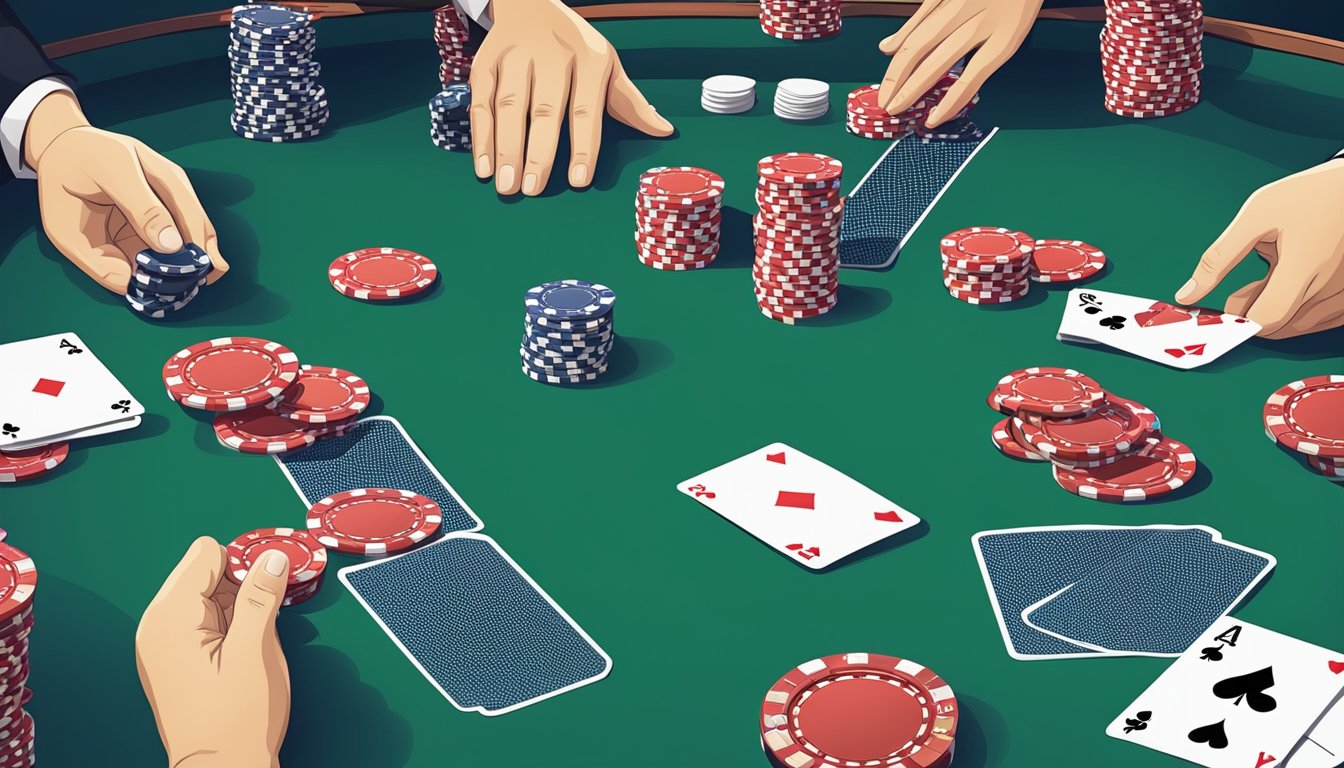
x: 307, y: 556
x: 263, y: 431
x: 1065, y: 261
x: 1047, y: 390
x: 18, y: 581
x: 230, y: 374
x: 324, y: 395
x: 30, y: 463
x: 374, y: 521
x: 381, y: 274
x: 1106, y: 430
x: 860, y: 709
x: 1159, y: 467
x: 1002, y: 438
x: 1307, y: 416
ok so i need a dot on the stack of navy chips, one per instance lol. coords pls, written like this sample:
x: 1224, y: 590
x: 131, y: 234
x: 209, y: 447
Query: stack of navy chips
x: 273, y: 77
x: 450, y: 118
x: 165, y: 283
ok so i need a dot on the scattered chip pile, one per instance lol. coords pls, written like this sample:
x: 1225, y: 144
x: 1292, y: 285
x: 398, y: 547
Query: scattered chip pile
x: 374, y: 521
x: 568, y: 331
x: 382, y: 274
x: 1100, y: 445
x: 18, y: 583
x: 1151, y: 56
x: 307, y: 559
x: 860, y: 709
x: 727, y: 94
x: 267, y: 402
x: 450, y: 118
x: 274, y: 78
x: 678, y: 215
x: 802, y: 98
x: 452, y: 35
x: 995, y: 265
x: 800, y: 19
x: 31, y: 463
x: 866, y: 117
x: 797, y: 235
x: 1307, y: 417
x: 165, y: 283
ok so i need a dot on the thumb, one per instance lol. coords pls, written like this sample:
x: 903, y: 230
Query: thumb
x: 1240, y: 237
x: 627, y: 104
x: 144, y: 211
x: 259, y: 598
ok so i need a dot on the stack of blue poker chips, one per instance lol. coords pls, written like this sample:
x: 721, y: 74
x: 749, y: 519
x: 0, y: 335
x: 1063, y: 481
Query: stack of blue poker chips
x: 450, y: 118
x: 165, y: 283
x: 273, y: 76
x: 568, y: 332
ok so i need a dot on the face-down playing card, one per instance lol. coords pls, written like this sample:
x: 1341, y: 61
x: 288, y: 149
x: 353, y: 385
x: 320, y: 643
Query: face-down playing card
x: 476, y: 625
x: 1240, y: 697
x: 804, y: 509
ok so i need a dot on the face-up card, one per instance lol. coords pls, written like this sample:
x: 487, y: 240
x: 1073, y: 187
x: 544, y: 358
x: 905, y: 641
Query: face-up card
x: 1156, y: 598
x: 804, y: 509
x: 476, y: 625
x: 55, y: 385
x: 1181, y: 337
x: 1240, y: 697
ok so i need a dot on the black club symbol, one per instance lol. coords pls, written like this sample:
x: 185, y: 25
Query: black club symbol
x: 123, y: 406
x: 1114, y: 322
x: 9, y: 430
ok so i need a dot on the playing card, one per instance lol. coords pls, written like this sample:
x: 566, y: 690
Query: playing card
x: 1181, y: 337
x: 376, y: 453
x: 476, y: 625
x: 1240, y: 697
x: 53, y: 386
x: 1155, y: 598
x: 806, y: 510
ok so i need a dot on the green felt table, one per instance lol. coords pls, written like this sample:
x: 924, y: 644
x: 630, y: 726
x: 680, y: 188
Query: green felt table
x: 578, y: 485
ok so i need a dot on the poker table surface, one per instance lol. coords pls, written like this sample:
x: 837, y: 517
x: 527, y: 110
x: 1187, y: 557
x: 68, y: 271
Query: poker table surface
x: 579, y: 484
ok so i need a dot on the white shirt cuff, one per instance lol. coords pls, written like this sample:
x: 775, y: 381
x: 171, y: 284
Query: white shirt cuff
x: 478, y: 10
x: 14, y: 122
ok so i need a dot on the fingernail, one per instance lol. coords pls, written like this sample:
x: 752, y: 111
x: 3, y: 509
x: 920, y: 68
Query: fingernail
x: 504, y: 179
x: 483, y: 166
x: 170, y: 240
x: 276, y: 563
x: 578, y: 175
x: 530, y: 184
x: 1186, y: 290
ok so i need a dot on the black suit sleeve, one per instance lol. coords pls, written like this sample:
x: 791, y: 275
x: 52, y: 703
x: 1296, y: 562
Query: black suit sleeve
x: 21, y: 63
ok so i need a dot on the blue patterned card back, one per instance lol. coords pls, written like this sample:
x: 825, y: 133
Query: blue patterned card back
x: 889, y: 203
x: 377, y: 453
x: 476, y: 626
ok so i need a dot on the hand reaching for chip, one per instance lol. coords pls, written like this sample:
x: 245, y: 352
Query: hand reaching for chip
x: 540, y: 62
x: 937, y: 36
x: 1295, y: 226
x: 211, y: 663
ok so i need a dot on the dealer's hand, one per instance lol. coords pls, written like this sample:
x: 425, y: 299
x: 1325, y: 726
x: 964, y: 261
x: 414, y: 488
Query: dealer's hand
x: 211, y: 663
x: 1295, y: 225
x: 937, y: 36
x: 105, y: 197
x: 539, y: 62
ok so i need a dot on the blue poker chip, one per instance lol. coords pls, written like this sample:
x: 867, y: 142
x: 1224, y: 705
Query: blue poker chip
x: 191, y: 260
x: 156, y: 310
x: 150, y: 282
x: 578, y: 302
x: 270, y: 18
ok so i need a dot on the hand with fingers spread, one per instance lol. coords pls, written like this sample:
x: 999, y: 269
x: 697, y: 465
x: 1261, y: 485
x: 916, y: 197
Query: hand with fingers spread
x: 211, y: 663
x: 937, y: 36
x: 539, y: 63
x: 105, y: 197
x: 1295, y: 225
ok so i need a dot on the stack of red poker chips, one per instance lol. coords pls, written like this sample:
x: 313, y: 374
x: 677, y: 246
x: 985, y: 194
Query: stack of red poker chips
x: 452, y: 34
x: 1151, y: 56
x: 1307, y: 418
x: 797, y: 235
x: 1100, y: 445
x: 678, y: 215
x: 800, y: 19
x: 18, y: 582
x: 987, y: 265
x: 865, y: 117
x: 307, y: 559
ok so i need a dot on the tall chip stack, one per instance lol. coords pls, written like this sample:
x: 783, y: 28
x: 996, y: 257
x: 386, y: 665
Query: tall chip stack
x: 274, y: 77
x: 800, y: 19
x: 678, y: 215
x: 452, y: 35
x: 1151, y: 56
x: 18, y: 582
x: 797, y: 235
